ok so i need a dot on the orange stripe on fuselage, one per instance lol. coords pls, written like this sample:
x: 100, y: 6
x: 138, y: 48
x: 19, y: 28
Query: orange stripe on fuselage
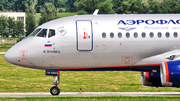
x: 147, y: 76
x: 167, y: 72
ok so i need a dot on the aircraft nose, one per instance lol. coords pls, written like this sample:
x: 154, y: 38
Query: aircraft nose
x: 11, y: 56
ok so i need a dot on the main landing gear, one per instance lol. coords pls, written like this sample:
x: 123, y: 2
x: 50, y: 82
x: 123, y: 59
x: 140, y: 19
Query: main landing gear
x: 55, y: 90
x: 56, y: 80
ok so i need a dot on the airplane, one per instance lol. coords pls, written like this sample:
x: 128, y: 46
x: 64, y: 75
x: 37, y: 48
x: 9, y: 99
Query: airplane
x: 148, y: 43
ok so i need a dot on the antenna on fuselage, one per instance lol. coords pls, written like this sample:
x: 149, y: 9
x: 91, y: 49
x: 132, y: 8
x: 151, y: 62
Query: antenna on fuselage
x: 96, y: 12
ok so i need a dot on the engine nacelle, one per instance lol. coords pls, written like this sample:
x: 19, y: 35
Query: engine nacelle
x: 151, y: 79
x: 170, y: 74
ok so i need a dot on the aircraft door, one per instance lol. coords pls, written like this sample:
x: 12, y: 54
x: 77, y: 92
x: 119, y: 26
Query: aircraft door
x: 84, y: 35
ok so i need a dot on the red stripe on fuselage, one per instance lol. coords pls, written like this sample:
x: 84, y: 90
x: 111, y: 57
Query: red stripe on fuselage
x: 148, y: 65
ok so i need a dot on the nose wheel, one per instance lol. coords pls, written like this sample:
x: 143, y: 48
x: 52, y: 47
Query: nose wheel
x: 55, y: 89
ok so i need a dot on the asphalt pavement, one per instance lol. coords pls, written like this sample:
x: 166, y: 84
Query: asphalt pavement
x: 88, y: 94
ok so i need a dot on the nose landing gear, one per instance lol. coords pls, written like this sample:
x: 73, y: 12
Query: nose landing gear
x: 56, y: 80
x: 55, y: 89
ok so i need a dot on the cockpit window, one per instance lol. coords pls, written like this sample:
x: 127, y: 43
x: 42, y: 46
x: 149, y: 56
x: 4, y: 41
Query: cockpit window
x: 34, y: 33
x: 51, y: 33
x: 43, y: 33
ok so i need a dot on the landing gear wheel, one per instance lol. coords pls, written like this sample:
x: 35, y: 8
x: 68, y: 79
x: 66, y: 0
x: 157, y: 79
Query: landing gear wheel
x: 55, y: 90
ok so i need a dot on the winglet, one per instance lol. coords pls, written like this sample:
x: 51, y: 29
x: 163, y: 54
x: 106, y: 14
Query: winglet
x: 96, y: 12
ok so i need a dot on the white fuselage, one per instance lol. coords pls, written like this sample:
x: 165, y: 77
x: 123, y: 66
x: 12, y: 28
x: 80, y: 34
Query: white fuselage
x: 79, y: 43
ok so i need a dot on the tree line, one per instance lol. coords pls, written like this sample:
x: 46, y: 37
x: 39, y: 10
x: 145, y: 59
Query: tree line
x: 105, y: 6
x: 16, y: 5
x: 127, y: 6
x: 49, y: 8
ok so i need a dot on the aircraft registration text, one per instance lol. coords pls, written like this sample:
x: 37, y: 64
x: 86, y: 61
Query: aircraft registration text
x: 51, y: 51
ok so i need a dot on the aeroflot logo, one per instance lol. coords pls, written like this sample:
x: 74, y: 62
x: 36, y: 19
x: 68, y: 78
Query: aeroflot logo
x: 148, y: 22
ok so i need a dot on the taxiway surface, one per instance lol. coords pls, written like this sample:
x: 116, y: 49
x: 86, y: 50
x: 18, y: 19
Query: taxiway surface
x: 86, y: 94
x: 2, y: 52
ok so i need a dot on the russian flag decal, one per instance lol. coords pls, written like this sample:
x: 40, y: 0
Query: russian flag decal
x: 48, y: 45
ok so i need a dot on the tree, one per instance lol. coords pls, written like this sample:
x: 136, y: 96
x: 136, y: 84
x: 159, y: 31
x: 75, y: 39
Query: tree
x: 19, y: 28
x: 48, y: 12
x: 169, y: 6
x: 3, y: 26
x: 6, y: 5
x: 64, y: 2
x: 117, y: 4
x: 20, y: 4
x: 136, y: 7
x: 105, y: 6
x: 56, y: 3
x: 128, y: 7
x: 30, y: 17
x: 40, y: 5
x: 70, y: 6
x: 10, y: 25
x: 154, y: 7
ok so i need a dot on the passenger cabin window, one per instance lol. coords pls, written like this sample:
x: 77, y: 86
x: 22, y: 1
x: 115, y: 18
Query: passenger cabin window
x: 51, y: 33
x: 135, y: 34
x: 151, y: 34
x: 159, y: 34
x: 119, y: 35
x: 127, y: 35
x: 167, y: 34
x: 34, y: 32
x: 175, y: 34
x: 112, y: 35
x: 42, y: 33
x: 104, y: 35
x: 143, y: 35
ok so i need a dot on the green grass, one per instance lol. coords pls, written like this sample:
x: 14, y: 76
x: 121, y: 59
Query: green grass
x: 110, y: 98
x: 66, y: 14
x: 5, y: 47
x: 38, y: 16
x: 18, y: 79
x: 9, y: 38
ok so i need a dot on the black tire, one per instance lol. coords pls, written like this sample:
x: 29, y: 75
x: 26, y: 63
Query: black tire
x: 55, y: 90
